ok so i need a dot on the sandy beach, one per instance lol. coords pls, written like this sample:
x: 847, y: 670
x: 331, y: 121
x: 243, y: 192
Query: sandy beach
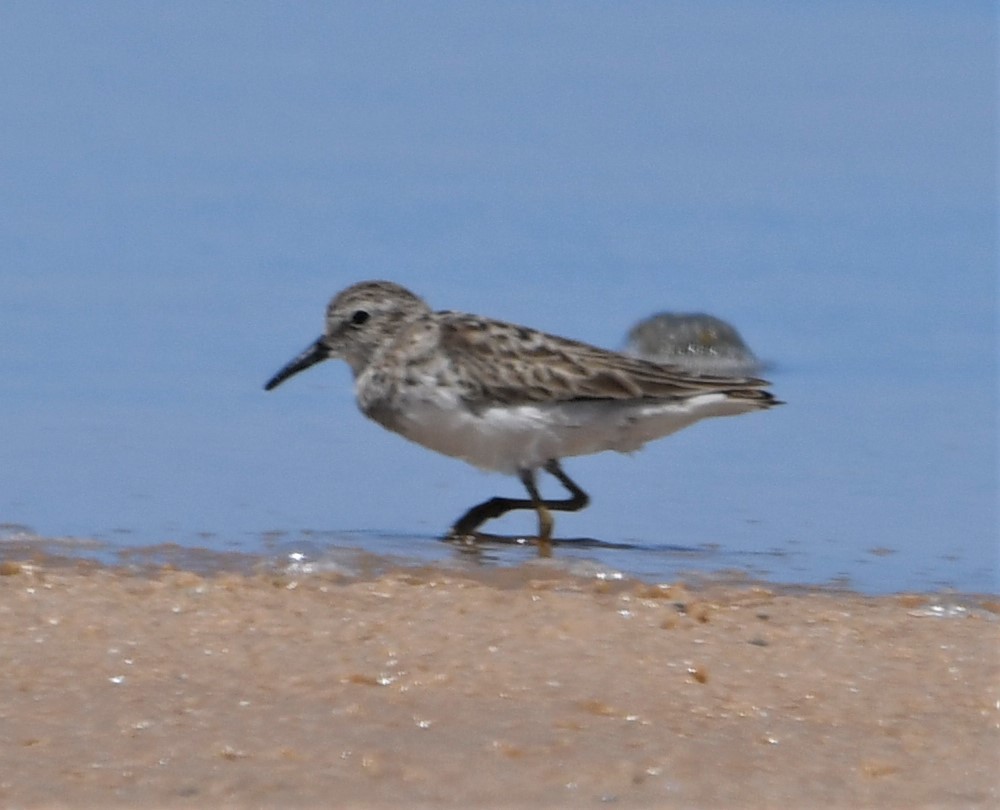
x: 519, y: 688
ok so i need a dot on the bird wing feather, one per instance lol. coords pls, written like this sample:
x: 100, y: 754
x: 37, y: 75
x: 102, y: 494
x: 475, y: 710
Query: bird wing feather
x: 485, y: 354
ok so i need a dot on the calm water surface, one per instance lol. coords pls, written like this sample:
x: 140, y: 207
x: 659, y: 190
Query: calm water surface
x: 184, y: 187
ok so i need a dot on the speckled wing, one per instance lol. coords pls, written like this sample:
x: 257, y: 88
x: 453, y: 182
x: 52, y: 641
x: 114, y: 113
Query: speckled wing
x: 514, y: 365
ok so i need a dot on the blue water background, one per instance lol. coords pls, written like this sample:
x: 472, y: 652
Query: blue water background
x: 184, y: 185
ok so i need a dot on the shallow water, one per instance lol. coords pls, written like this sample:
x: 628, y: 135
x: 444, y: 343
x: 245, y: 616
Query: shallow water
x: 185, y: 188
x: 366, y: 554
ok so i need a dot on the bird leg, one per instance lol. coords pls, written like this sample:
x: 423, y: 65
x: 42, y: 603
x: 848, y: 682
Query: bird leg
x: 579, y: 499
x: 495, y: 507
x: 544, y: 515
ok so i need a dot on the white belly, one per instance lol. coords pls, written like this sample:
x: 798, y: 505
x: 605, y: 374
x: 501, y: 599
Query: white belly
x: 507, y: 439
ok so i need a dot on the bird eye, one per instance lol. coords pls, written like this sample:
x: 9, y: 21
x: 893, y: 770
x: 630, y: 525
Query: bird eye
x: 359, y: 317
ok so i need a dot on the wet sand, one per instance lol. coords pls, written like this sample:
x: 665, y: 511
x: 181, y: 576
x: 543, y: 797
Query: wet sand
x: 519, y: 688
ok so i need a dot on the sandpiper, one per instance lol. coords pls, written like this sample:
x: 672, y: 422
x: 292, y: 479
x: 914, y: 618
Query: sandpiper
x: 505, y: 397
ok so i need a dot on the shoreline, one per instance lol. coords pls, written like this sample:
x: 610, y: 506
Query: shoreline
x: 354, y: 556
x: 521, y: 688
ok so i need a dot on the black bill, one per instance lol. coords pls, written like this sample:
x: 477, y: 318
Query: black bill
x: 316, y: 353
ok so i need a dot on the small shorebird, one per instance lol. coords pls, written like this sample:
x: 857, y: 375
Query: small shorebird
x: 507, y: 398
